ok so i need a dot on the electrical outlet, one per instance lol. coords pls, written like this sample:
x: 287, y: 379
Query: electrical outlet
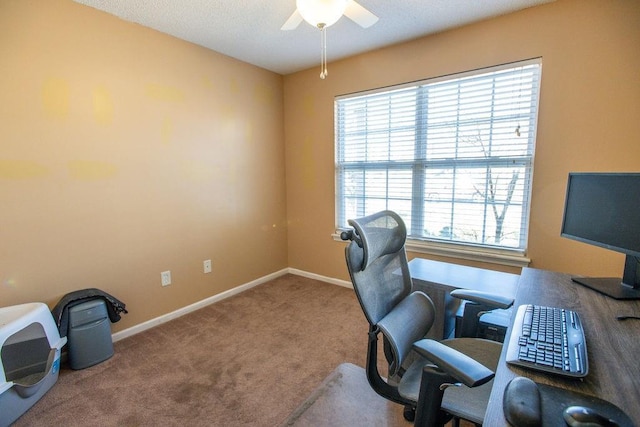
x: 207, y: 266
x: 165, y: 278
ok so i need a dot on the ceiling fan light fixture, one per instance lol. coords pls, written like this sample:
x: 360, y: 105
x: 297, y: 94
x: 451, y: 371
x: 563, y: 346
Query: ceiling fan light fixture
x: 321, y: 12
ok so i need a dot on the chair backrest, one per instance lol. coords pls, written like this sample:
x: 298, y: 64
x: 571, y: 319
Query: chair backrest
x: 377, y: 263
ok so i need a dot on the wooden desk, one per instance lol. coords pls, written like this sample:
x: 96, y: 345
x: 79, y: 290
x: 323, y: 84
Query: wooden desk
x: 613, y: 346
x: 438, y: 279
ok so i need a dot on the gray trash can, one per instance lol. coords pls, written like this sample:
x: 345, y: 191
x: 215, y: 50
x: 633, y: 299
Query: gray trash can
x: 89, y: 334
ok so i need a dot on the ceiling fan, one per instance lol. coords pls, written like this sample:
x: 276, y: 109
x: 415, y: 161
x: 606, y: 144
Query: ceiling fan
x: 324, y: 13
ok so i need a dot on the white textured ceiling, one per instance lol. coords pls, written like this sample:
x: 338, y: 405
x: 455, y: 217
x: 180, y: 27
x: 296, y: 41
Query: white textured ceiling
x: 249, y: 30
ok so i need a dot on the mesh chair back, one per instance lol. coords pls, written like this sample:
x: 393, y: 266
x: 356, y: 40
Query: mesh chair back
x: 377, y: 263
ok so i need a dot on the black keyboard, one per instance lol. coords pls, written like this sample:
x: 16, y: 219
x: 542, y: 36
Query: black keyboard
x: 548, y: 339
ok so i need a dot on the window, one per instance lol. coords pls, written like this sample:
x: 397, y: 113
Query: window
x: 452, y: 155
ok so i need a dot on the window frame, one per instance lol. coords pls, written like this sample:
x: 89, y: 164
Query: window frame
x: 423, y: 244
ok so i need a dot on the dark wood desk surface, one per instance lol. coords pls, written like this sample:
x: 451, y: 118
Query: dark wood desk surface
x: 453, y: 276
x: 437, y: 279
x: 613, y: 346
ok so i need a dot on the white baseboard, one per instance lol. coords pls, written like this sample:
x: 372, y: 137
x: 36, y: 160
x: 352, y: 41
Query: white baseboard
x: 331, y: 280
x: 219, y: 297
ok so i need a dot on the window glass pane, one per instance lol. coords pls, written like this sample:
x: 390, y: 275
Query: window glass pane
x: 456, y: 151
x: 402, y: 208
x: 399, y: 185
x: 375, y: 205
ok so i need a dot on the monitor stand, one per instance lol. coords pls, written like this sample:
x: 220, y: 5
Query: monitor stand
x: 610, y: 286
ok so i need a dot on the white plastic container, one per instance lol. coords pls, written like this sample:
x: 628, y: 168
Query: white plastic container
x: 30, y: 347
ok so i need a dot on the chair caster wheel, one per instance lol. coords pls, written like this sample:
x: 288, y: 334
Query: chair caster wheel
x: 409, y: 413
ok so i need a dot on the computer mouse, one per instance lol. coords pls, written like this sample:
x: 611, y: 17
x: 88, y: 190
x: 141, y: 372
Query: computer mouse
x: 582, y: 416
x: 521, y: 403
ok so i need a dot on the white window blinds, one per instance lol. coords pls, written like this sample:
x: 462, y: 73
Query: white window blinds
x: 453, y: 156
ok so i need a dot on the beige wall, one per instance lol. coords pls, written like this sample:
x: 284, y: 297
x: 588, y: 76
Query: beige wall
x: 125, y: 152
x: 589, y: 118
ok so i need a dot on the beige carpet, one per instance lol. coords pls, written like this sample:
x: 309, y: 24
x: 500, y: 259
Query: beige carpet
x: 345, y: 399
x: 249, y: 360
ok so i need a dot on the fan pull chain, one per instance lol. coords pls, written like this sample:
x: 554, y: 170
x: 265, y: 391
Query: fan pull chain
x: 323, y: 51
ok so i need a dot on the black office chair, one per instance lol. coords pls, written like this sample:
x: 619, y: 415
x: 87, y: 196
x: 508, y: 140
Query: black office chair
x: 436, y: 381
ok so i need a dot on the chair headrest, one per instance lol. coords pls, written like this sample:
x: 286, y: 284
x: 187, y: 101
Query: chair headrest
x: 379, y: 234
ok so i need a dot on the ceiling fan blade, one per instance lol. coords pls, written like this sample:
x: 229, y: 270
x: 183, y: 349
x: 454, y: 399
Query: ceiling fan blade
x: 360, y: 15
x: 292, y: 23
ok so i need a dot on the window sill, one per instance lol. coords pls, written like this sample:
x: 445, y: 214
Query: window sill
x: 471, y: 253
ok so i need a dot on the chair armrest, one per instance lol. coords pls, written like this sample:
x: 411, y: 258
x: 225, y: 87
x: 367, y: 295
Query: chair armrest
x: 460, y: 366
x: 486, y: 298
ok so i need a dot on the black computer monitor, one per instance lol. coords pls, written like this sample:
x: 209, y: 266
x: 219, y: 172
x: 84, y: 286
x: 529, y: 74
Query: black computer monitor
x: 603, y: 209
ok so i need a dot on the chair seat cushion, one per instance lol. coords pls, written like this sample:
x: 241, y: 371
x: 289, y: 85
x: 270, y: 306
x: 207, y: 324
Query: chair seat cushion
x: 464, y: 402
